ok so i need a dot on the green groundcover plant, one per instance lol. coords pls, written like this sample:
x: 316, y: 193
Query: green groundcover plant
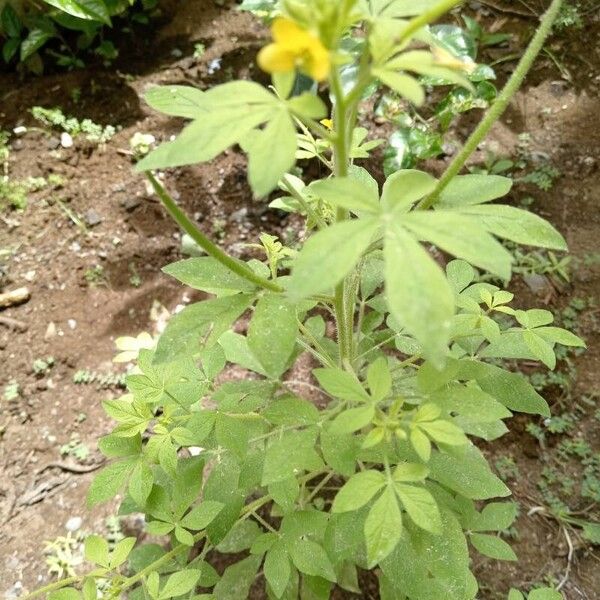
x: 301, y: 486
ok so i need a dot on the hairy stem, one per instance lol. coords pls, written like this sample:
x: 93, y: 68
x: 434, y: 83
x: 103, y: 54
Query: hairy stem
x: 499, y: 106
x: 238, y: 267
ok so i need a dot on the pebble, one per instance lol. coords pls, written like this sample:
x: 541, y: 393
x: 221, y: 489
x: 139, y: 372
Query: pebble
x: 72, y: 323
x: 74, y: 524
x: 66, y: 141
x: 131, y: 203
x: 53, y: 143
x: 92, y: 218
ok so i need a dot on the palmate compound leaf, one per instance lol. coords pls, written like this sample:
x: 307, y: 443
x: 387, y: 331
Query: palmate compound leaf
x: 225, y: 115
x: 417, y: 292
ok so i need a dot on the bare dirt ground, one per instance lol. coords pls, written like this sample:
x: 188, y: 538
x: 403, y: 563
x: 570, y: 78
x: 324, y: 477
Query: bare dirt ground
x: 126, y: 234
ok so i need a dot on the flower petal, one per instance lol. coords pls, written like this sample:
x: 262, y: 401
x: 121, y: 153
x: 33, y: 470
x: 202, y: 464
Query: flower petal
x: 276, y: 59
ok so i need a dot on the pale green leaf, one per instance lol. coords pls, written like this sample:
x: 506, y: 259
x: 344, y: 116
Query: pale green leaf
x: 467, y: 190
x: 383, y: 527
x: 328, y: 256
x: 403, y: 188
x: 492, y: 546
x: 347, y: 192
x: 357, y: 491
x: 420, y: 506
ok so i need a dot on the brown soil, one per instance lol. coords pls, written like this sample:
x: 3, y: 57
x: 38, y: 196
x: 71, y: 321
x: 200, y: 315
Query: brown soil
x: 76, y: 323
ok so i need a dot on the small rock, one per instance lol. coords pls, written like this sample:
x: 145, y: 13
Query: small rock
x: 239, y: 215
x: 131, y: 203
x: 66, y: 141
x: 72, y: 323
x: 538, y: 284
x: 74, y: 524
x: 50, y: 331
x: 20, y: 130
x: 92, y: 218
x: 53, y: 143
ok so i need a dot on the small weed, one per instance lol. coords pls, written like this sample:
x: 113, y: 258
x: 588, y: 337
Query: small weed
x: 64, y: 554
x: 12, y: 391
x: 199, y: 50
x: 95, y: 276
x: 92, y: 132
x: 42, y: 366
x: 569, y: 17
x: 103, y: 380
x: 507, y: 468
x: 134, y: 277
x: 75, y: 448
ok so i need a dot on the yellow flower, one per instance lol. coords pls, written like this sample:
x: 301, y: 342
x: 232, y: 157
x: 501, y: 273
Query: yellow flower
x: 294, y: 47
x: 327, y: 123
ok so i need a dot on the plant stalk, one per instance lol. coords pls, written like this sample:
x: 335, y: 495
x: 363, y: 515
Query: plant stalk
x: 209, y: 247
x: 499, y: 106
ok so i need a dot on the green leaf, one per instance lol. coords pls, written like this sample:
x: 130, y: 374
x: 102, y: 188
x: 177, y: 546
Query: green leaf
x: 403, y: 188
x: 492, y: 546
x: 35, y: 39
x: 328, y: 256
x: 237, y: 579
x: 383, y: 527
x: 341, y: 384
x: 511, y: 389
x: 379, y: 379
x: 518, y: 225
x: 109, y: 482
x: 410, y: 472
x: 557, y: 335
x: 287, y: 456
x: 460, y: 274
x: 207, y: 274
x: 515, y: 595
x: 467, y: 190
x: 309, y: 105
x: 121, y: 552
x: 291, y: 410
x: 405, y: 85
x: 67, y: 593
x: 461, y: 236
x: 233, y: 110
x: 177, y: 101
x: 10, y: 23
x: 445, y: 432
x: 96, y: 550
x: 545, y: 594
x: 417, y: 292
x: 140, y: 483
x: 199, y: 325
x: 237, y: 351
x: 94, y: 10
x: 357, y: 491
x: 265, y: 167
x: 347, y: 192
x: 183, y: 536
x: 420, y: 442
x: 352, y: 419
x: 272, y: 333
x: 311, y: 559
x: 420, y: 506
x: 180, y: 583
x: 202, y: 515
x: 241, y: 537
x: 277, y: 569
x: 468, y: 474
x: 496, y: 516
x: 540, y: 348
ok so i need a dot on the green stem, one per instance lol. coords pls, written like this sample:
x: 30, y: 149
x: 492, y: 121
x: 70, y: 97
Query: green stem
x: 56, y: 585
x: 209, y: 247
x: 499, y: 106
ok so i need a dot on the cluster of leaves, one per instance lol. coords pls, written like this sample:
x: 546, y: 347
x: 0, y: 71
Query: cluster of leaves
x: 381, y: 473
x: 25, y: 30
x: 92, y: 132
x: 417, y: 137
